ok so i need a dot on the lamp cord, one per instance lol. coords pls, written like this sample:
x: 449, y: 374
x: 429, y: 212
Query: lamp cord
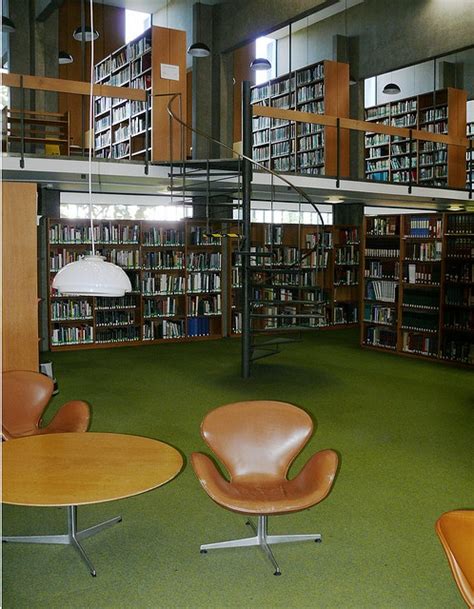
x: 91, y: 109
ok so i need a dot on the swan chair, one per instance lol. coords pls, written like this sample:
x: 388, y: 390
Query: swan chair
x: 456, y: 532
x: 257, y: 441
x: 26, y: 395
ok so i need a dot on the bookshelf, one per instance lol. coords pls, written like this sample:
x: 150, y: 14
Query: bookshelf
x: 121, y: 126
x: 394, y: 159
x: 346, y: 274
x: 309, y: 278
x: 418, y: 293
x: 457, y: 320
x: 285, y: 146
x: 175, y: 270
x: 470, y: 157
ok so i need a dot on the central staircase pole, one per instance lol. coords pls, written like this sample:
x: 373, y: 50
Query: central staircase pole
x: 246, y: 204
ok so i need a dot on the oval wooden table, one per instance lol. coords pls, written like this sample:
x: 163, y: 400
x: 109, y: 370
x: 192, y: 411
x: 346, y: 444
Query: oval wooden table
x: 71, y: 469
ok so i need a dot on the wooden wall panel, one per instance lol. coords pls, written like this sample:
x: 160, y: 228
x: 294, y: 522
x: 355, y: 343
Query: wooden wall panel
x: 109, y: 21
x: 168, y: 47
x: 20, y: 280
x: 457, y: 99
x: 242, y: 58
x: 336, y: 103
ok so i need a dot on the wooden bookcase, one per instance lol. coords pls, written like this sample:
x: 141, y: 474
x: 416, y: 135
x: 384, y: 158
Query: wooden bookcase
x: 418, y: 294
x: 121, y: 126
x: 175, y: 270
x: 389, y: 158
x: 470, y: 157
x: 311, y: 278
x: 284, y: 146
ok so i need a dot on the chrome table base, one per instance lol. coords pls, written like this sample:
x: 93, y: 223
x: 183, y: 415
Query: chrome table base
x: 262, y: 540
x: 72, y: 538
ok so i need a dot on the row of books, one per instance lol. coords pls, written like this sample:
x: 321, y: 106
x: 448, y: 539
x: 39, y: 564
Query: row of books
x: 424, y: 251
x: 71, y: 309
x: 162, y: 307
x: 422, y: 274
x: 114, y: 318
x: 106, y: 232
x: 379, y: 314
x: 164, y: 329
x: 381, y: 290
x: 424, y: 299
x: 382, y: 269
x: 205, y: 305
x: 460, y: 247
x: 425, y: 227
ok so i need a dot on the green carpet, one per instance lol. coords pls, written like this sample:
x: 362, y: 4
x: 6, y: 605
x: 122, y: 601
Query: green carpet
x: 403, y: 428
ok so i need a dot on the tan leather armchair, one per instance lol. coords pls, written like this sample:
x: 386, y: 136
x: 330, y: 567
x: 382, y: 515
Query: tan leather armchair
x: 456, y: 532
x: 26, y: 395
x: 257, y: 442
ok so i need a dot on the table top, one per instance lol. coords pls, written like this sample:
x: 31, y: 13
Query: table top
x: 82, y: 468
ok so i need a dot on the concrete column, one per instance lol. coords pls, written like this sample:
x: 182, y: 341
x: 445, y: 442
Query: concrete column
x: 205, y: 80
x: 348, y: 213
x: 345, y: 51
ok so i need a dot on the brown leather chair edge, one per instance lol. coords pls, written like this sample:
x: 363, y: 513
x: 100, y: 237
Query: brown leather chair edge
x: 26, y: 395
x: 455, y: 530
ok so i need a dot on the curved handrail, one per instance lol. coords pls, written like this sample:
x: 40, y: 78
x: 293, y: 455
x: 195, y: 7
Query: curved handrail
x: 297, y: 189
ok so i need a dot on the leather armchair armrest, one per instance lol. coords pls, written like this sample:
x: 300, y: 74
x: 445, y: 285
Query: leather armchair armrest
x: 72, y: 416
x: 209, y: 476
x: 318, y: 473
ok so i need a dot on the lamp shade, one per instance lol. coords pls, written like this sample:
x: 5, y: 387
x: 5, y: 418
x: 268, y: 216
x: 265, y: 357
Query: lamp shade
x: 64, y: 58
x: 92, y: 276
x: 199, y: 49
x: 7, y: 25
x: 86, y: 34
x: 260, y: 63
x: 391, y: 89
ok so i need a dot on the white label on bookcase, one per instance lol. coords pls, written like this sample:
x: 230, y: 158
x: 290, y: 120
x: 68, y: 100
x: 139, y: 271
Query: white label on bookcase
x: 169, y: 71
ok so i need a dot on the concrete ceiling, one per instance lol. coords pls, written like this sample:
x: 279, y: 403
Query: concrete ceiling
x: 149, y: 6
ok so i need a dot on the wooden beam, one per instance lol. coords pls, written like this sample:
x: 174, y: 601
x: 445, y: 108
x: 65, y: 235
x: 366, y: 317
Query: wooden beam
x: 43, y: 83
x: 357, y: 125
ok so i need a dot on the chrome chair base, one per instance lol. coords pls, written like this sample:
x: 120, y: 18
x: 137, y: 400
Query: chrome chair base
x: 72, y: 538
x: 262, y: 540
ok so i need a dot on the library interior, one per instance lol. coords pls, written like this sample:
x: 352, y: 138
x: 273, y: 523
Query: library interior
x: 237, y: 304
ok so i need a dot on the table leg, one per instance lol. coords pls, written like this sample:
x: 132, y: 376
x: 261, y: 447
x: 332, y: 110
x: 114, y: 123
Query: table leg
x: 72, y: 538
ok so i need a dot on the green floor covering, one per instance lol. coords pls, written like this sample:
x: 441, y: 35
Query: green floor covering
x: 403, y: 428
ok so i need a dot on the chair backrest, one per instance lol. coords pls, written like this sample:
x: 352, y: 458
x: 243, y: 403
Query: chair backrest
x: 258, y: 438
x: 456, y: 532
x: 25, y: 396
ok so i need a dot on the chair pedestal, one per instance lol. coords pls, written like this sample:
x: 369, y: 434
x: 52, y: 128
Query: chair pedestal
x: 72, y: 537
x: 262, y: 540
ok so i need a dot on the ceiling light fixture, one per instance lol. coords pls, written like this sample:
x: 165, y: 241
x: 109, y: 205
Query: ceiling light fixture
x: 260, y: 63
x: 91, y: 275
x: 391, y: 88
x: 64, y: 58
x: 88, y: 34
x: 7, y: 25
x: 199, y: 49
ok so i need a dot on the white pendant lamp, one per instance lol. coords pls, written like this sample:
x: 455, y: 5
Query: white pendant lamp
x: 92, y: 275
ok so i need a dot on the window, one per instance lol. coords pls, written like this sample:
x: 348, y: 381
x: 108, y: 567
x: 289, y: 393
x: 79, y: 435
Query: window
x: 265, y: 47
x: 171, y: 213
x: 135, y: 24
